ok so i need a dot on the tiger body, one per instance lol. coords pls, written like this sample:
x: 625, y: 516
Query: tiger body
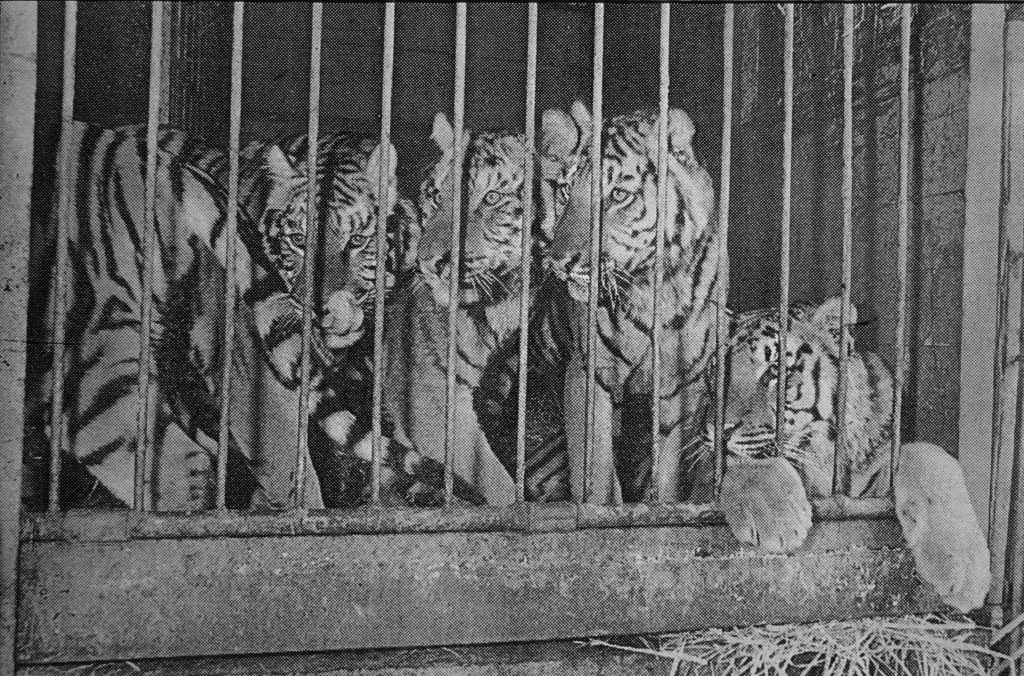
x: 189, y: 262
x: 812, y: 387
x: 690, y: 278
x: 487, y: 308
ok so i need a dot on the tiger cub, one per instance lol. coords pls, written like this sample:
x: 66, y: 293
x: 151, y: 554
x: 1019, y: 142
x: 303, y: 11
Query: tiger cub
x: 104, y: 305
x: 621, y: 463
x: 487, y: 304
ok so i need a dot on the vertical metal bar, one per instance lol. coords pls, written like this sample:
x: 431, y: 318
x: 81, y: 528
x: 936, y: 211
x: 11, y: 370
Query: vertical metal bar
x: 524, y: 300
x: 18, y: 58
x: 456, y: 268
x: 847, y: 254
x: 595, y: 242
x: 787, y: 201
x: 721, y: 320
x: 312, y: 239
x: 65, y: 162
x: 383, y: 186
x: 902, y: 234
x: 659, y: 250
x: 146, y: 395
x: 230, y: 256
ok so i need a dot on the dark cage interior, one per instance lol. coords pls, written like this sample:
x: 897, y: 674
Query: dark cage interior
x: 342, y: 323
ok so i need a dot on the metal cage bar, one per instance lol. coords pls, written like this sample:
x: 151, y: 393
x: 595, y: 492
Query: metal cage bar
x: 61, y: 282
x: 312, y: 239
x: 456, y: 257
x: 902, y: 236
x: 659, y: 250
x: 847, y: 243
x: 721, y: 319
x: 597, y: 109
x: 527, y: 246
x: 383, y: 189
x: 787, y: 204
x: 146, y: 393
x: 230, y: 250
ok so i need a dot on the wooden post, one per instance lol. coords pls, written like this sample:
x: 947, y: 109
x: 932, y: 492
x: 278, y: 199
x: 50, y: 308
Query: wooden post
x: 17, y: 127
x: 983, y: 387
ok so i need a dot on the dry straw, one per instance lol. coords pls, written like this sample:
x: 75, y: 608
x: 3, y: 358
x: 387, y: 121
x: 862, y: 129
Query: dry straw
x: 902, y: 646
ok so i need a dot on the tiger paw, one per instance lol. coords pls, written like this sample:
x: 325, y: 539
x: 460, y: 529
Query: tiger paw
x: 765, y: 504
x: 940, y: 525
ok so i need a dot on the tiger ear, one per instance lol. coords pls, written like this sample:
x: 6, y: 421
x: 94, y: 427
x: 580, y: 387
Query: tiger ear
x: 680, y: 134
x: 373, y: 168
x: 561, y: 134
x: 279, y: 165
x: 442, y: 133
x: 827, y: 315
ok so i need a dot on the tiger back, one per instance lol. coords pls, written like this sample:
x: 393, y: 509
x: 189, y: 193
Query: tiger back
x: 487, y: 307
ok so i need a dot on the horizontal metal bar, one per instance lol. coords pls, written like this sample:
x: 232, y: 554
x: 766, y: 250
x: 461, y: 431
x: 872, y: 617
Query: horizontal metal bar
x: 118, y: 526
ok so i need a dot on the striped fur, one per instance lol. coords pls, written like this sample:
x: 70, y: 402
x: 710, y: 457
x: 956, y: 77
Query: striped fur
x: 690, y: 278
x: 812, y: 351
x: 487, y: 307
x: 101, y: 394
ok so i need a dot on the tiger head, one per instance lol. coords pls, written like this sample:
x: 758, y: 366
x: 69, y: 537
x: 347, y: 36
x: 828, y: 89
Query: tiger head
x: 274, y: 197
x: 493, y: 174
x: 346, y: 267
x: 629, y: 206
x: 812, y: 377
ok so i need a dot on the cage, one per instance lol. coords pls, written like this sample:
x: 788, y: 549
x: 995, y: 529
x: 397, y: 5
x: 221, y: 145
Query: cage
x: 871, y: 161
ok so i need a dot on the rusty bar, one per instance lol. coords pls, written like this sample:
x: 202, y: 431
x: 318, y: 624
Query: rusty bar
x: 83, y: 525
x: 66, y: 168
x: 659, y: 251
x: 902, y: 237
x: 18, y: 58
x: 787, y: 204
x: 230, y: 255
x: 456, y: 266
x: 524, y: 300
x: 847, y: 254
x: 146, y: 395
x: 383, y: 189
x: 595, y: 244
x: 721, y: 319
x: 312, y: 238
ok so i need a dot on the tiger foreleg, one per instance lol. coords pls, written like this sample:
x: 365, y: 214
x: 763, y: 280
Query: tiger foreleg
x: 599, y: 468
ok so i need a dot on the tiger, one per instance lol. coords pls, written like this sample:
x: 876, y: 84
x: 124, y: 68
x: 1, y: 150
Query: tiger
x: 487, y: 305
x: 104, y: 306
x: 621, y: 464
x: 563, y: 140
x: 766, y: 489
x: 812, y: 379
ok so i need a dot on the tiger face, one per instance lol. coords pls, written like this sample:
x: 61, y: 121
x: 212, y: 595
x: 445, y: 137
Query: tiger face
x: 493, y: 177
x: 345, y: 272
x: 812, y: 368
x: 629, y: 208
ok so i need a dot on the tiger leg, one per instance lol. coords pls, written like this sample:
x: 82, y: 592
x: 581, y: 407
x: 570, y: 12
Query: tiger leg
x: 604, y: 485
x: 679, y: 435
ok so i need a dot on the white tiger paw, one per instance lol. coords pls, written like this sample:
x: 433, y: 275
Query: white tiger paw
x: 940, y: 525
x: 765, y: 504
